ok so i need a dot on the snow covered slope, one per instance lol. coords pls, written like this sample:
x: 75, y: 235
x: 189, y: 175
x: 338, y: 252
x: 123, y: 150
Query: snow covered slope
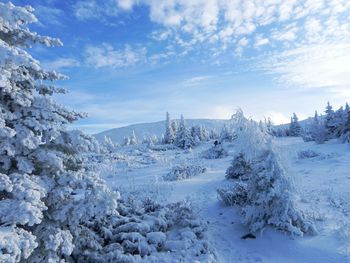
x: 320, y: 176
x: 155, y: 128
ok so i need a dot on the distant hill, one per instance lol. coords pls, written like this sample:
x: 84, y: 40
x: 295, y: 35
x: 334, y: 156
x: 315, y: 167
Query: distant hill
x: 156, y: 128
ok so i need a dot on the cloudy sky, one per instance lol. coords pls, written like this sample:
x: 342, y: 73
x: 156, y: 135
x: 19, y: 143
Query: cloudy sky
x: 130, y: 61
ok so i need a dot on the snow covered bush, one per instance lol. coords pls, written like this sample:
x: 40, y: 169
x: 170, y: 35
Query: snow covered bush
x: 184, y: 171
x: 234, y: 195
x: 239, y: 168
x: 215, y: 152
x: 145, y: 231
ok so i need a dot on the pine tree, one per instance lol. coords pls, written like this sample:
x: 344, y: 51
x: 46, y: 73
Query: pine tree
x: 270, y: 200
x: 269, y: 126
x: 45, y: 191
x: 169, y: 136
x: 345, y: 130
x: 108, y: 143
x: 265, y: 198
x: 240, y: 168
x: 174, y: 127
x: 133, y: 138
x: 294, y: 127
x: 329, y: 120
x: 183, y: 138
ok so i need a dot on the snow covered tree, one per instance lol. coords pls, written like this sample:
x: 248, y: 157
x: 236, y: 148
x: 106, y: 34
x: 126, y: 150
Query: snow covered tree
x: 345, y: 130
x: 240, y: 168
x: 269, y: 198
x: 226, y: 134
x: 339, y: 119
x: 318, y: 130
x: 199, y: 134
x: 265, y: 198
x: 169, y: 136
x: 108, y: 144
x: 269, y: 126
x: 294, y: 127
x: 126, y: 141
x: 329, y: 123
x: 133, y: 139
x: 183, y: 138
x: 174, y: 127
x: 315, y: 130
x: 45, y: 193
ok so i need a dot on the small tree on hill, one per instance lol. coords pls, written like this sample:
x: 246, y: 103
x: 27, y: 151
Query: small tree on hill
x: 294, y: 127
x: 169, y: 135
x: 183, y: 138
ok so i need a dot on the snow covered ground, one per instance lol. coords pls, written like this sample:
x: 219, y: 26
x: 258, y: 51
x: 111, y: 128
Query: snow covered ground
x: 320, y: 174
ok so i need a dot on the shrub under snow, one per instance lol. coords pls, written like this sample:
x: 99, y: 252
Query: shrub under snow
x: 145, y: 231
x: 184, y: 171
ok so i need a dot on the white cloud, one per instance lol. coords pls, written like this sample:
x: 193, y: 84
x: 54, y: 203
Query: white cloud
x: 48, y: 15
x: 219, y: 112
x: 325, y: 66
x: 277, y: 117
x: 223, y: 22
x: 61, y: 63
x: 261, y: 41
x: 195, y: 81
x: 87, y: 9
x: 106, y: 55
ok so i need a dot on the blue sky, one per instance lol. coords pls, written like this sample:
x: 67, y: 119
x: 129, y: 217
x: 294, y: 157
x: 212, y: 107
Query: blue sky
x: 130, y: 61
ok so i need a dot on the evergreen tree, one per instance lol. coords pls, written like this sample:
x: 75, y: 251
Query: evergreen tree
x: 45, y: 192
x: 239, y: 168
x: 183, y: 138
x: 270, y: 200
x: 294, y: 127
x: 329, y: 123
x: 126, y: 141
x: 174, y: 127
x: 226, y: 134
x: 108, y: 143
x: 345, y: 130
x: 133, y: 139
x: 169, y: 136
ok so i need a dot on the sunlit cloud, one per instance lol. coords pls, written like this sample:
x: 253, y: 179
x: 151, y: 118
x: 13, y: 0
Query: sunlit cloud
x: 315, y: 66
